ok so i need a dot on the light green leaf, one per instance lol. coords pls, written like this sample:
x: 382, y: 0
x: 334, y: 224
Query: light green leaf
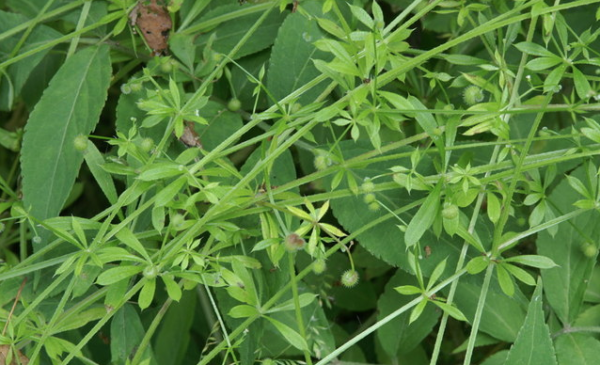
x: 519, y: 274
x: 94, y: 161
x: 417, y: 311
x: 408, y: 290
x: 451, y: 310
x: 477, y: 265
x: 533, y: 345
x: 70, y: 106
x: 534, y: 49
x: 541, y: 262
x: 242, y: 311
x: 147, y: 293
x: 493, y: 207
x: 173, y: 288
x: 552, y: 81
x: 303, y: 299
x: 128, y: 238
x: 116, y: 274
x: 362, y: 16
x: 505, y: 281
x: 437, y: 273
x: 161, y: 170
x: 582, y: 85
x: 424, y: 217
x: 543, y: 63
x: 166, y: 195
x: 290, y: 335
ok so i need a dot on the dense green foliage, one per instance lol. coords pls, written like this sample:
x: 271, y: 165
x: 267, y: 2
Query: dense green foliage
x: 311, y: 181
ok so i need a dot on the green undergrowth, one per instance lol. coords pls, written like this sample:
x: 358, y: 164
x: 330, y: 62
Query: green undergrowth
x: 299, y: 182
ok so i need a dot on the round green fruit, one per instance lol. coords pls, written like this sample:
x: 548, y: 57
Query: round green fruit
x: 234, y: 105
x: 319, y: 266
x: 80, y: 142
x: 450, y: 212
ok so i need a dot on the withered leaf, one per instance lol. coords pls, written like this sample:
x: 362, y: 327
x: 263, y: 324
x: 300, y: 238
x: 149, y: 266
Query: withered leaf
x: 4, y: 353
x: 154, y: 22
x: 189, y: 137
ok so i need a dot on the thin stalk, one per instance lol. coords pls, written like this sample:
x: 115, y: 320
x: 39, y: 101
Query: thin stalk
x: 297, y: 308
x: 499, y: 228
x: 82, y: 17
x: 57, y: 312
x: 329, y: 358
x: 103, y: 321
x: 33, y: 22
x: 150, y: 331
x: 211, y: 23
x: 107, y: 19
x: 478, y: 314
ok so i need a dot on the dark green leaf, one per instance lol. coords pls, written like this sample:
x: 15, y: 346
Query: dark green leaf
x: 533, y: 345
x: 566, y: 283
x: 70, y: 106
x: 126, y: 333
x: 291, y: 64
x: 12, y: 80
x: 398, y: 336
x: 577, y: 349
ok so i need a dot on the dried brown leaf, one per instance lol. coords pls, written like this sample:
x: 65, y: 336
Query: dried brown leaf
x: 4, y: 353
x: 154, y: 22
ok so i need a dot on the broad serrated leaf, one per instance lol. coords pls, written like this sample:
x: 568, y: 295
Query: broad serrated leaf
x: 565, y: 284
x: 502, y: 316
x: 69, y: 107
x: 291, y: 63
x: 229, y: 33
x: 533, y: 345
x: 126, y: 333
x: 398, y: 336
x: 13, y: 78
x: 577, y: 349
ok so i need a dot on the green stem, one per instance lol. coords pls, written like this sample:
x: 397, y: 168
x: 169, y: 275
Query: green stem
x: 139, y: 352
x: 82, y: 17
x: 297, y: 308
x: 33, y: 22
x: 478, y: 314
x: 102, y: 322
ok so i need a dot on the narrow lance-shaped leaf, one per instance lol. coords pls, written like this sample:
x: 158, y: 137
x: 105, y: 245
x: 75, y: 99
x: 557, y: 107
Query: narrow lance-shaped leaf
x: 69, y: 107
x: 424, y: 217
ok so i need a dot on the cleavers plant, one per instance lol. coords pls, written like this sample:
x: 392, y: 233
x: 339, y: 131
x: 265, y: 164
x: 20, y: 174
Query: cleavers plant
x: 299, y: 181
